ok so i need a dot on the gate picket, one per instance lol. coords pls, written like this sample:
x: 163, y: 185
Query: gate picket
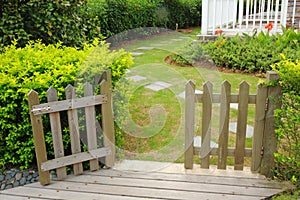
x: 56, y: 133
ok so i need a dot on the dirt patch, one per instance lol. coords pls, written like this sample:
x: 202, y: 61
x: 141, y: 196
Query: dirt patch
x: 204, y: 63
x: 169, y: 61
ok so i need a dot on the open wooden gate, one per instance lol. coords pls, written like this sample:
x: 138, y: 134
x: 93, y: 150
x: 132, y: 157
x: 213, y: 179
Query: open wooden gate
x: 71, y: 105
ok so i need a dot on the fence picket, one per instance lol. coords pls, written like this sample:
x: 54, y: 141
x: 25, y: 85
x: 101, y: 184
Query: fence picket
x: 241, y: 125
x: 107, y: 119
x: 38, y: 137
x: 269, y: 140
x: 224, y: 124
x: 74, y: 130
x: 56, y: 133
x: 206, y: 124
x: 90, y: 116
x: 259, y: 125
x: 189, y: 124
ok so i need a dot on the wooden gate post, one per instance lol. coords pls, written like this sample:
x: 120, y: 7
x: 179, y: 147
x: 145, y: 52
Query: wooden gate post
x: 38, y: 136
x: 107, y: 119
x: 189, y: 125
x: 269, y: 138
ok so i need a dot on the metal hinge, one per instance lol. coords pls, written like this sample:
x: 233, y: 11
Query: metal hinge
x: 262, y: 151
x: 37, y: 110
x: 267, y: 104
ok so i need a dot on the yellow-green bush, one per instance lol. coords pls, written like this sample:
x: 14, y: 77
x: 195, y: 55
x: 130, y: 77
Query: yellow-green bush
x: 288, y: 123
x: 38, y: 66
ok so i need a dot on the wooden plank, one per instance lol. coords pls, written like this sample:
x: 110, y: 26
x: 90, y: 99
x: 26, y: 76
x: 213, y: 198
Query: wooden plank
x: 108, y: 120
x: 64, y: 105
x: 56, y: 133
x: 270, y: 140
x: 230, y: 151
x: 206, y: 178
x: 75, y: 158
x: 259, y: 125
x: 90, y: 117
x: 175, y: 185
x: 234, y: 98
x: 206, y: 124
x: 241, y: 125
x: 38, y: 136
x: 224, y: 125
x: 74, y: 130
x: 158, y: 191
x: 64, y: 193
x: 189, y: 125
x: 16, y: 197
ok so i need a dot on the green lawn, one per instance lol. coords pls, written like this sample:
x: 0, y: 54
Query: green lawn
x: 155, y: 125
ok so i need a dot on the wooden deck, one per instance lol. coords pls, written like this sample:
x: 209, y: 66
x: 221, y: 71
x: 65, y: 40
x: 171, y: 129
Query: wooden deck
x: 151, y: 180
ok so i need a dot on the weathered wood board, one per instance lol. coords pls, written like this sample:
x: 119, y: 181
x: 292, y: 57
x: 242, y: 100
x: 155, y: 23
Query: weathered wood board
x: 115, y: 184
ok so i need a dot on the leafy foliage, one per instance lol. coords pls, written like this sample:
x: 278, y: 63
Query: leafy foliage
x: 189, y: 54
x: 288, y: 123
x: 117, y: 16
x: 51, y: 21
x: 74, y: 22
x: 38, y: 66
x: 254, y: 53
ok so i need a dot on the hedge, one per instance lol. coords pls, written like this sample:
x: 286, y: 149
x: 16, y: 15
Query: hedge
x: 254, y: 53
x: 78, y: 21
x: 51, y: 21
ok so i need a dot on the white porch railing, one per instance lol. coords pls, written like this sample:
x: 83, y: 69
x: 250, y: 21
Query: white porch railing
x: 248, y: 15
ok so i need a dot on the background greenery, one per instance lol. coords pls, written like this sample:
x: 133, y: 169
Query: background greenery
x: 74, y: 22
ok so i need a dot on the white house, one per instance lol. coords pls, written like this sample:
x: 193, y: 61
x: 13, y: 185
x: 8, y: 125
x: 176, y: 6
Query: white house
x: 237, y: 16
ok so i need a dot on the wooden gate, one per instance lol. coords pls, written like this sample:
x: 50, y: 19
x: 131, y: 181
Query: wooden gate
x: 71, y: 105
x: 263, y: 141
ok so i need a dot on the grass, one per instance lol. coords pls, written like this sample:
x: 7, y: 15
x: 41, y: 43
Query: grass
x: 154, y: 128
x: 294, y: 196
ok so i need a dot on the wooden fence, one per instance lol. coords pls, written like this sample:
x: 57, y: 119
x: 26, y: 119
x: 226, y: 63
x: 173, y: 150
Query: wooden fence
x: 263, y: 141
x: 70, y: 105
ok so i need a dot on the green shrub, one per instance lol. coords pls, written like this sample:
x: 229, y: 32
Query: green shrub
x: 254, y: 53
x: 38, y: 66
x: 188, y: 55
x: 288, y: 123
x: 78, y: 21
x: 185, y: 13
x: 51, y: 21
x: 117, y: 16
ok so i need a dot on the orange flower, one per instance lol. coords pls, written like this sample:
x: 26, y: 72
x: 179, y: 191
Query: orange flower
x: 218, y: 31
x: 269, y: 26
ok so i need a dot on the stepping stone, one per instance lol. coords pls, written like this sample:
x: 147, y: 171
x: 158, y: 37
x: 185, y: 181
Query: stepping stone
x: 159, y: 85
x: 145, y: 48
x: 234, y: 105
x: 249, y: 131
x: 184, y: 37
x: 197, y: 142
x: 176, y: 39
x: 136, y: 78
x: 182, y: 94
x: 158, y: 45
x: 137, y: 53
